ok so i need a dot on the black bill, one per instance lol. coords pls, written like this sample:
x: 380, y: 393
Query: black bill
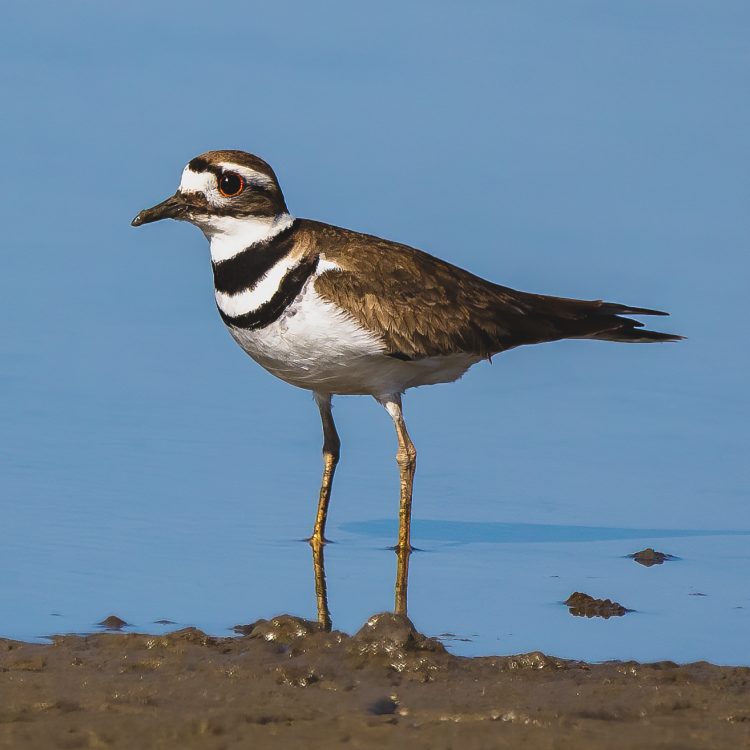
x: 175, y: 207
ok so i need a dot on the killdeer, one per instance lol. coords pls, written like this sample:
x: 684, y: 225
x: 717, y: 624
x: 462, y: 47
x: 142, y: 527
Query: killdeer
x: 339, y: 312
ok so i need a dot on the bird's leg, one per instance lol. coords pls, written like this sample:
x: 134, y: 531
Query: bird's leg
x: 321, y: 591
x: 331, y: 450
x: 406, y: 458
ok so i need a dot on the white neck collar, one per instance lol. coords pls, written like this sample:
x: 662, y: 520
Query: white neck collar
x: 228, y: 236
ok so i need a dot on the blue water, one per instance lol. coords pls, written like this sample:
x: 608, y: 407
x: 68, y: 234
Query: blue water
x: 151, y: 470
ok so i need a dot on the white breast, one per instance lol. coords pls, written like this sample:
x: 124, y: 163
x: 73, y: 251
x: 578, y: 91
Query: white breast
x: 312, y: 344
x: 318, y: 346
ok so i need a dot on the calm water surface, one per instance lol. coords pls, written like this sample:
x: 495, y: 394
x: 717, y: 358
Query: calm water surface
x: 152, y: 493
x: 149, y: 469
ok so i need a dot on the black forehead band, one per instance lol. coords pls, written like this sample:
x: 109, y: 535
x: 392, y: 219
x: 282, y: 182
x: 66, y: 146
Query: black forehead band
x: 201, y: 165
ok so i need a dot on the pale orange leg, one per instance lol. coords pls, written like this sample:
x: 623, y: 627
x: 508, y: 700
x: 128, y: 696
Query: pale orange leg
x: 406, y: 458
x: 331, y: 451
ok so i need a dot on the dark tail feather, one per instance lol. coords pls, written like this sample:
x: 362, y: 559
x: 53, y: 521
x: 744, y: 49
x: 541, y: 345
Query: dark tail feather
x: 613, y: 308
x: 554, y: 318
x: 634, y: 334
x: 628, y: 330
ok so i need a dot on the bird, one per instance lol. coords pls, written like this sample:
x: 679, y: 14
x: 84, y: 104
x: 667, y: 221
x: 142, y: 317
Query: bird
x: 340, y: 312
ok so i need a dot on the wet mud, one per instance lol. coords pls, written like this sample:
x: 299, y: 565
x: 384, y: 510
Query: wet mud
x: 650, y: 557
x: 289, y: 682
x: 584, y: 605
x: 113, y: 622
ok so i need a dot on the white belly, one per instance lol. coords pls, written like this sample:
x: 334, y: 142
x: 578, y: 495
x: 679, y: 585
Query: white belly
x: 316, y: 345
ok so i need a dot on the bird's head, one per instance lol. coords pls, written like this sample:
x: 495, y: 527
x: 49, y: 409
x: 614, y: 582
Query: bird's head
x: 221, y: 192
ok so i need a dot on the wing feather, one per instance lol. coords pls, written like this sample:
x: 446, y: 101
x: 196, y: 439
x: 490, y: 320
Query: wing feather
x: 422, y: 306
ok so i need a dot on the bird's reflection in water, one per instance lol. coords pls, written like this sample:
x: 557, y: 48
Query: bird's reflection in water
x: 321, y: 589
x: 402, y: 579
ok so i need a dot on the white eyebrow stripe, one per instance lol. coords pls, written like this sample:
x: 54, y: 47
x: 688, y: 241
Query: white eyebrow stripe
x: 251, y: 175
x: 205, y: 182
x: 197, y: 182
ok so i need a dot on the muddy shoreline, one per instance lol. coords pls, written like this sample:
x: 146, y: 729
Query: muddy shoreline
x: 288, y: 682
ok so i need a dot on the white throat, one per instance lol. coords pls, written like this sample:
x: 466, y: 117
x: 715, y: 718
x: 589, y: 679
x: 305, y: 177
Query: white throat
x: 228, y: 236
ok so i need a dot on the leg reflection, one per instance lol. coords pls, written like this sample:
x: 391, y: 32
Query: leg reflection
x: 321, y: 591
x: 402, y: 578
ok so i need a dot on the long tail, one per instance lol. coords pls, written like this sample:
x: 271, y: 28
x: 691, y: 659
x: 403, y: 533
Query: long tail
x: 626, y: 329
x: 554, y: 318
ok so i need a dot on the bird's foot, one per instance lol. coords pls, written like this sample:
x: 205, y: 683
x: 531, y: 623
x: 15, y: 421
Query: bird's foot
x: 317, y: 540
x: 400, y: 548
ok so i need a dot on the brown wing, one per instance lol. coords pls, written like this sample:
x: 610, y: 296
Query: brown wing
x: 422, y: 306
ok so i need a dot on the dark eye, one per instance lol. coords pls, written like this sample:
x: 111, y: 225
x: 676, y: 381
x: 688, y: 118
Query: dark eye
x: 230, y: 183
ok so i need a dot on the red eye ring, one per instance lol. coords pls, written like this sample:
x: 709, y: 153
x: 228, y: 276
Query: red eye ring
x: 231, y: 184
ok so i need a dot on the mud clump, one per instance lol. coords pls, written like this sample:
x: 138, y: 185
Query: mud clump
x: 650, y: 556
x: 386, y: 634
x: 113, y: 622
x: 583, y: 605
x: 287, y: 682
x: 284, y: 629
x: 392, y: 641
x: 292, y: 635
